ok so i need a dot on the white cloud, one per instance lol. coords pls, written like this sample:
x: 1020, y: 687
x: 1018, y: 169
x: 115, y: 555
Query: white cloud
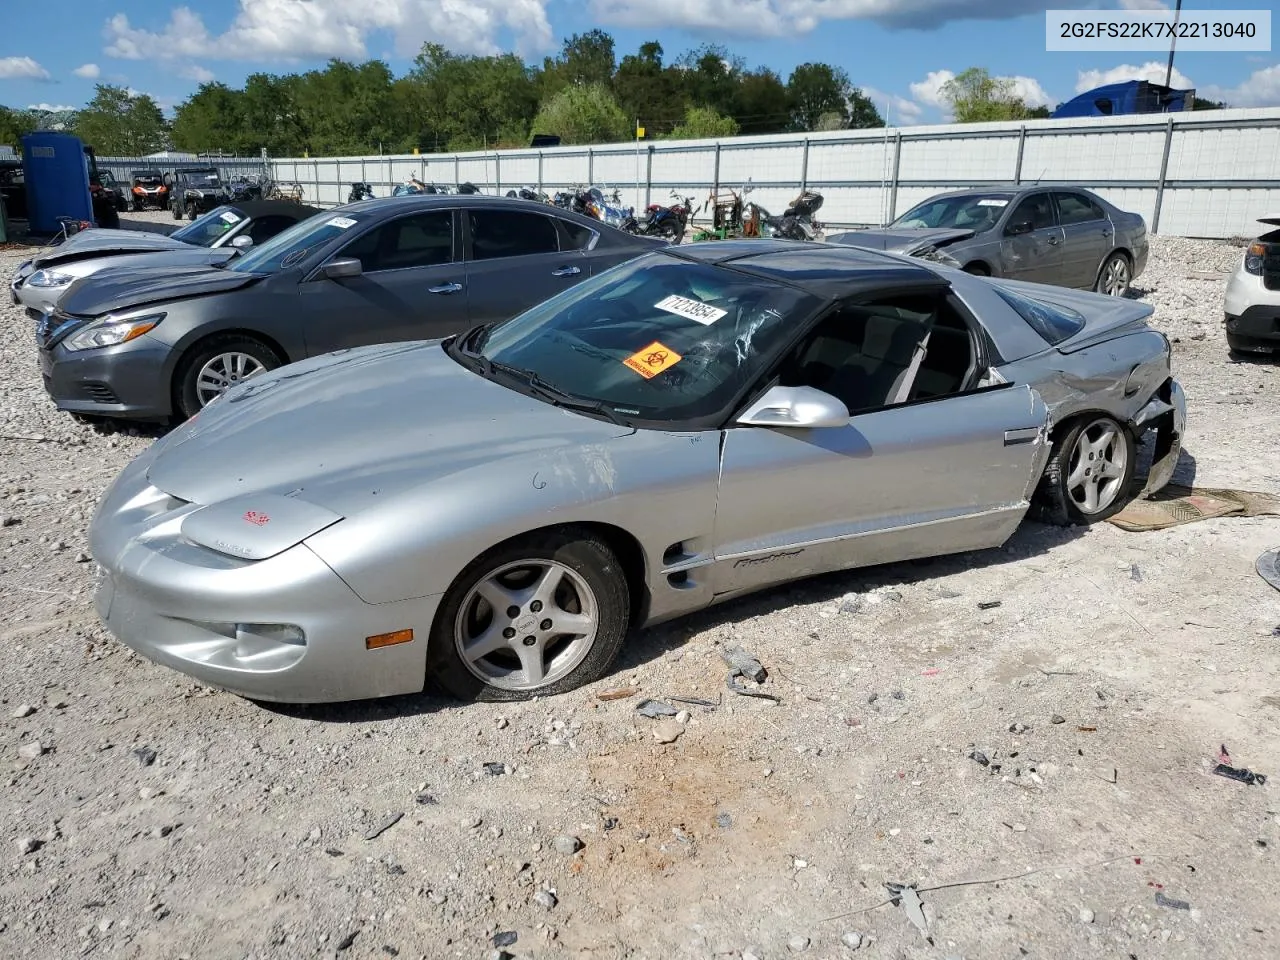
x: 21, y: 68
x: 929, y: 90
x: 51, y: 107
x: 300, y: 29
x: 1262, y: 89
x: 1028, y: 89
x: 1152, y: 71
x: 89, y: 71
x: 897, y: 111
x: 197, y: 73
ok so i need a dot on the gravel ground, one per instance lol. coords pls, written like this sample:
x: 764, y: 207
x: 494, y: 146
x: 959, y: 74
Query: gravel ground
x: 146, y: 816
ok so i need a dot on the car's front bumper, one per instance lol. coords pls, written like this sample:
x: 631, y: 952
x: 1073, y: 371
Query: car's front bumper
x: 130, y: 380
x: 19, y: 280
x: 1167, y: 414
x: 38, y: 300
x: 180, y: 604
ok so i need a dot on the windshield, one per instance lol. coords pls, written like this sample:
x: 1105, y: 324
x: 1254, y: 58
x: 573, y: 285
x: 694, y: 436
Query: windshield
x: 147, y: 178
x: 658, y: 338
x: 976, y: 212
x: 294, y: 245
x: 214, y: 224
x: 202, y: 178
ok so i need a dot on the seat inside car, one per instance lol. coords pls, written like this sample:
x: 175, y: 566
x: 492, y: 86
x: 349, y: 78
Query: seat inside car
x: 861, y: 354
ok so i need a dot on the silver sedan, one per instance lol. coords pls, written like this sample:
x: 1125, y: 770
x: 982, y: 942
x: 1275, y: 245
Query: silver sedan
x: 1064, y: 235
x: 493, y: 513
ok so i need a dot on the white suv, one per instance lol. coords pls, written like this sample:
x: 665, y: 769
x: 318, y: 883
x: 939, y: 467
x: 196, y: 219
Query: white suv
x: 1252, y: 303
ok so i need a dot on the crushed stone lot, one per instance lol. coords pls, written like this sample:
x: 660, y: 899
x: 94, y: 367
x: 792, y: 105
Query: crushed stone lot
x: 1057, y: 747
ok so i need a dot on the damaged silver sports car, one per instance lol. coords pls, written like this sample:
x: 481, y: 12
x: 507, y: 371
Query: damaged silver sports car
x: 495, y: 512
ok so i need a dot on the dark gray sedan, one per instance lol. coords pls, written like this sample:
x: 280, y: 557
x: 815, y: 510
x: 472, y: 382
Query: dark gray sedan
x: 1063, y: 235
x: 152, y: 344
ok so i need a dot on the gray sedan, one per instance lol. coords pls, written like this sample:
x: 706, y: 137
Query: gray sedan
x: 493, y: 513
x: 155, y: 342
x: 1063, y: 235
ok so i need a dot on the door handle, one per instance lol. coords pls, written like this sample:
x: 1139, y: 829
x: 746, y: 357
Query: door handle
x: 445, y: 288
x: 1106, y: 233
x: 1053, y: 241
x: 566, y: 272
x: 1023, y: 435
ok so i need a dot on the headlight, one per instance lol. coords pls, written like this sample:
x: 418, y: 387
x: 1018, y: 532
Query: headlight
x: 109, y: 333
x: 49, y: 278
x: 1252, y: 259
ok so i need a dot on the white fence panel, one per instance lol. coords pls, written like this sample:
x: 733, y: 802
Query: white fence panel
x: 1218, y: 175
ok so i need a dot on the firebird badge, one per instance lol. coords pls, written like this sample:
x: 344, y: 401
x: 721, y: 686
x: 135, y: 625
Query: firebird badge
x: 256, y: 518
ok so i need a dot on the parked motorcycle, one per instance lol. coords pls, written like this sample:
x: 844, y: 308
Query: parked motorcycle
x: 593, y: 203
x: 795, y: 223
x: 528, y: 193
x: 359, y: 191
x: 667, y: 222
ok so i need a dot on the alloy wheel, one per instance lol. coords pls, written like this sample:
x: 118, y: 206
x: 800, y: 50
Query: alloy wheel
x: 526, y: 624
x: 224, y: 371
x: 1097, y: 467
x: 1116, y: 280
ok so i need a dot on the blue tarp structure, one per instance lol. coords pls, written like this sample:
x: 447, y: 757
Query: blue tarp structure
x: 1132, y: 96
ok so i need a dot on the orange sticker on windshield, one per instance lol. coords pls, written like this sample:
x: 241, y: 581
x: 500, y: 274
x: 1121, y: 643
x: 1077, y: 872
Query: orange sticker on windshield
x: 652, y: 360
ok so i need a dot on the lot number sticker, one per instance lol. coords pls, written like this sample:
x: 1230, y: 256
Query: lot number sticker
x: 342, y: 223
x: 229, y: 217
x: 652, y: 360
x: 691, y: 310
x: 992, y: 202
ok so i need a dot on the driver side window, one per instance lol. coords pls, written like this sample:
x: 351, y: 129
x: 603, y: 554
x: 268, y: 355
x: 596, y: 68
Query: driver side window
x: 1036, y: 210
x: 885, y: 352
x: 420, y: 240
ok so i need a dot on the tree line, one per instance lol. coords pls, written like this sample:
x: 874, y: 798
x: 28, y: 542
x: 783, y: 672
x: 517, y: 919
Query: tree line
x: 456, y: 102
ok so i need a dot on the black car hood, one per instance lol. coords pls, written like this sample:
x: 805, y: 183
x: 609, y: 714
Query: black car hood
x: 123, y: 288
x: 902, y: 240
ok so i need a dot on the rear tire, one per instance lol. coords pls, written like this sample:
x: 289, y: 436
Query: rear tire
x: 1115, y: 276
x: 591, y: 599
x: 1089, y: 474
x: 202, y: 364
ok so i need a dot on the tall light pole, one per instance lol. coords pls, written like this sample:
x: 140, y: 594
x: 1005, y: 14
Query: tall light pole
x: 1168, y: 73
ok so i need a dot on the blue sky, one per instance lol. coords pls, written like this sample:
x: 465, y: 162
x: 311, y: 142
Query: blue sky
x: 53, y: 51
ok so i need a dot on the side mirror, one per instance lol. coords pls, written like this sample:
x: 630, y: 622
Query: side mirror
x: 797, y: 408
x: 242, y: 242
x: 1019, y: 228
x: 344, y: 268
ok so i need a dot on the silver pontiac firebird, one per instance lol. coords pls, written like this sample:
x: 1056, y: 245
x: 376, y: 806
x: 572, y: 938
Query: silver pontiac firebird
x: 494, y: 512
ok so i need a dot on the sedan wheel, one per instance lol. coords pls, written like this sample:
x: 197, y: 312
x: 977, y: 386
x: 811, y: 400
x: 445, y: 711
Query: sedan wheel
x: 223, y: 372
x: 1089, y: 472
x: 1113, y: 280
x: 542, y: 615
x: 216, y: 366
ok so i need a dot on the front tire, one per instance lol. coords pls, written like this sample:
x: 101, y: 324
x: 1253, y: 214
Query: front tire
x: 1089, y: 473
x: 1115, y: 275
x: 193, y: 211
x: 217, y: 365
x: 177, y: 211
x: 540, y: 615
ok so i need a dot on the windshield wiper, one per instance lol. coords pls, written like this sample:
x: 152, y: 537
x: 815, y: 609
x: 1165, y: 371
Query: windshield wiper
x: 559, y: 398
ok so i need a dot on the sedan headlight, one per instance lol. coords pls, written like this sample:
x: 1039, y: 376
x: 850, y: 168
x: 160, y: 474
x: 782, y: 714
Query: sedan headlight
x: 109, y: 333
x: 49, y: 278
x: 1253, y: 258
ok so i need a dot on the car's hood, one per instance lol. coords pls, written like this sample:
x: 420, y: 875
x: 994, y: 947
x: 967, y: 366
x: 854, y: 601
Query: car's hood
x: 133, y: 261
x: 1104, y: 317
x: 96, y: 242
x: 126, y: 287
x: 354, y: 429
x: 903, y: 240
